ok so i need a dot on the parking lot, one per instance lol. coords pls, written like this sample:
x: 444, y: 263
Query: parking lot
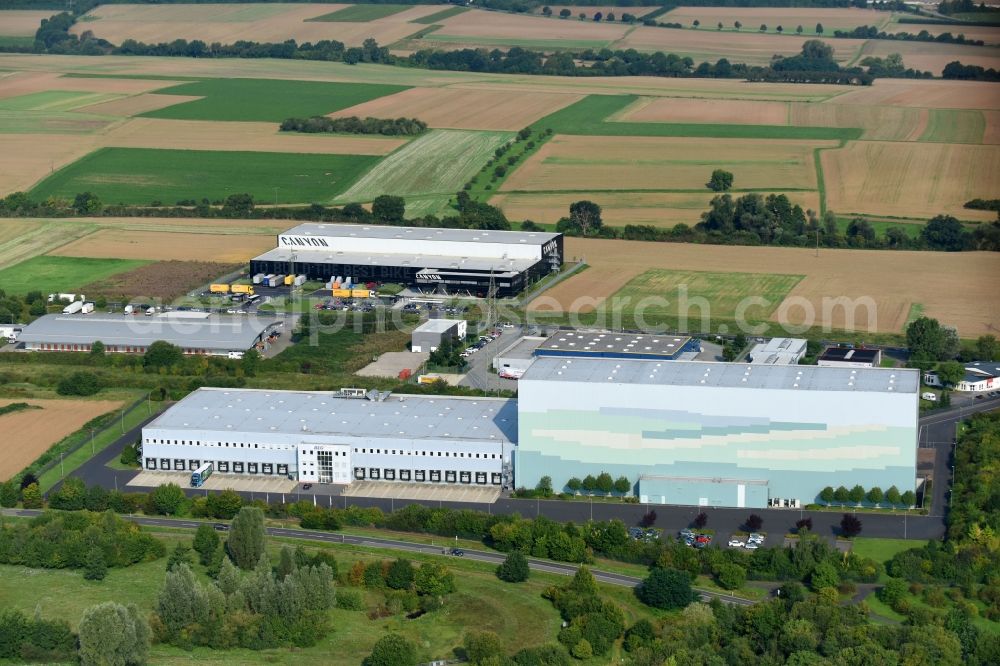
x: 390, y: 364
x: 258, y: 484
x: 422, y: 491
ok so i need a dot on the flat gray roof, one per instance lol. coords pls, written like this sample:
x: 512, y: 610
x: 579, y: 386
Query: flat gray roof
x: 736, y: 375
x: 524, y: 347
x: 437, y: 325
x: 438, y: 261
x: 212, y: 332
x: 326, y: 413
x: 420, y: 233
x: 616, y: 343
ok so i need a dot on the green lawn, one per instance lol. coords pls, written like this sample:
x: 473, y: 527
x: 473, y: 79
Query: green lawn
x: 429, y: 170
x: 361, y: 13
x: 882, y: 550
x: 266, y: 99
x: 65, y: 274
x: 140, y: 176
x: 955, y: 126
x: 440, y: 16
x: 723, y: 293
x: 588, y: 116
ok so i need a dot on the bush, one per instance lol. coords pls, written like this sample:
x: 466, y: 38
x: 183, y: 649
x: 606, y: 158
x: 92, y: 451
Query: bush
x: 79, y: 383
x: 392, y: 650
x: 666, y: 589
x: 731, y: 576
x: 514, y: 568
x: 350, y: 600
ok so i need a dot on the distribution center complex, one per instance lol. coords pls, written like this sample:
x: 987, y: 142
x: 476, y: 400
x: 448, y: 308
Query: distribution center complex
x: 691, y: 433
x: 456, y: 261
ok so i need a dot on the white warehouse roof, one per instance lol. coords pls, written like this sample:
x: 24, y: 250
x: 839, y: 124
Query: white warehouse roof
x: 735, y: 375
x: 325, y: 413
x: 437, y: 325
x: 209, y: 332
x: 419, y: 233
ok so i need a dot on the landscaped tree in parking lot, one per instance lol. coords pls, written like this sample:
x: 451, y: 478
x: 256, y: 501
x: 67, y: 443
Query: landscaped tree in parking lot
x: 857, y: 495
x: 589, y: 483
x: 623, y: 485
x: 827, y: 495
x: 605, y: 483
x: 700, y: 520
x: 908, y: 498
x: 850, y: 526
x: 875, y: 495
x: 754, y: 522
x: 574, y: 484
x: 841, y: 494
x: 892, y: 496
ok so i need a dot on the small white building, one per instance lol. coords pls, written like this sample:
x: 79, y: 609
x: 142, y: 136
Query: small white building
x: 778, y: 351
x: 979, y: 376
x: 429, y: 335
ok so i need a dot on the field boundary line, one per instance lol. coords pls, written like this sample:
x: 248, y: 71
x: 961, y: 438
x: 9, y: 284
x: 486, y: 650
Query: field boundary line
x: 546, y: 285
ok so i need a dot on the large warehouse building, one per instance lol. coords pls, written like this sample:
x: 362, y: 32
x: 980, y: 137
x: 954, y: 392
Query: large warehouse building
x: 337, y: 437
x: 193, y: 332
x: 717, y: 434
x: 454, y: 261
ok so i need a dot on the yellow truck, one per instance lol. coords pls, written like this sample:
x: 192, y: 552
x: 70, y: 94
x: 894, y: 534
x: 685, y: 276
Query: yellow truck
x: 242, y: 289
x: 341, y: 293
x: 289, y: 279
x: 360, y: 293
x: 219, y: 289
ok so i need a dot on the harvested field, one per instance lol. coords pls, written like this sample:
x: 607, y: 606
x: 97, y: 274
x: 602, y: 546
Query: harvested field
x: 29, y: 433
x: 22, y: 23
x: 478, y: 27
x: 989, y: 35
x: 584, y: 163
x: 243, y: 136
x: 164, y: 280
x: 137, y: 104
x: 923, y: 93
x: 160, y: 246
x: 18, y: 83
x: 674, y: 110
x: 910, y: 179
x: 991, y: 133
x: 750, y: 47
x: 55, y: 122
x: 54, y: 101
x: 22, y: 239
x: 933, y: 57
x: 226, y: 23
x: 361, y: 13
x: 433, y: 166
x: 27, y: 158
x: 885, y: 123
x: 951, y: 288
x: 455, y: 108
x: 787, y: 17
x: 659, y: 209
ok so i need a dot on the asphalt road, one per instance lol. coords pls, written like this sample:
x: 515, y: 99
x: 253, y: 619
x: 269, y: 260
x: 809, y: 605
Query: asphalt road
x: 394, y: 544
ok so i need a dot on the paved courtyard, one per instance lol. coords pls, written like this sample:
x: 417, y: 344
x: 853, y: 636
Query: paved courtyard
x: 257, y: 484
x: 423, y: 491
x: 390, y: 364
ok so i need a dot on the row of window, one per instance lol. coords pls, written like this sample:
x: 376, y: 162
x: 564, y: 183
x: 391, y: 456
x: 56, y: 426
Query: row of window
x: 423, y: 476
x: 127, y: 349
x: 235, y: 445
x: 439, y: 454
x: 278, y: 447
x: 182, y: 465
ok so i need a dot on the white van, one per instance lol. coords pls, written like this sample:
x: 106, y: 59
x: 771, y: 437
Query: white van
x: 235, y: 355
x: 930, y: 397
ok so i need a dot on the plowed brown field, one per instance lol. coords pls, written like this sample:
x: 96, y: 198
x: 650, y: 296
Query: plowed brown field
x: 162, y: 246
x: 497, y: 27
x: 164, y: 280
x: 21, y: 23
x: 656, y: 163
x: 675, y: 110
x: 455, y: 108
x: 28, y: 434
x: 923, y: 93
x: 27, y: 158
x: 24, y: 83
x: 910, y: 179
x: 956, y: 288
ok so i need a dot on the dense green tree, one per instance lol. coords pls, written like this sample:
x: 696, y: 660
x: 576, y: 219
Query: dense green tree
x: 586, y: 216
x: 928, y: 340
x: 238, y: 205
x: 9, y: 494
x: 986, y: 347
x: 206, y: 542
x: 247, y: 540
x: 605, y: 483
x: 433, y: 579
x: 481, y: 646
x: 70, y: 496
x: 857, y: 494
x: 666, y: 589
x: 623, y: 485
x: 162, y: 354
x: 514, y: 568
x: 950, y: 372
x: 875, y: 495
x: 824, y: 575
x: 81, y: 382
x: 841, y: 494
x: 224, y: 505
x: 166, y: 499
x: 180, y: 555
x: 908, y: 498
x: 87, y: 203
x: 389, y: 209
x: 97, y: 349
x: 721, y: 181
x: 850, y: 525
x: 31, y: 496
x: 574, y: 484
x: 95, y: 567
x: 944, y: 232
x: 819, y: 28
x: 589, y: 483
x: 565, y: 13
x: 113, y: 635
x: 392, y: 650
x: 400, y: 575
x: 827, y: 495
x: 731, y: 576
x: 892, y: 496
x: 544, y: 486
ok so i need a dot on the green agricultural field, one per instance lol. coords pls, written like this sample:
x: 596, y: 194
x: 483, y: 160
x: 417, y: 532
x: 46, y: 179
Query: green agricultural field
x: 18, y: 41
x: 19, y: 122
x: 954, y: 126
x: 140, y: 176
x: 428, y: 170
x: 440, y: 16
x: 361, y: 13
x: 660, y: 294
x: 66, y: 274
x: 266, y: 99
x: 54, y: 100
x: 588, y: 117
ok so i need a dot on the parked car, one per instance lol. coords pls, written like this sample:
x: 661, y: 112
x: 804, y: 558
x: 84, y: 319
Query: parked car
x: 306, y: 486
x: 457, y: 552
x: 736, y: 543
x: 221, y: 527
x: 751, y: 546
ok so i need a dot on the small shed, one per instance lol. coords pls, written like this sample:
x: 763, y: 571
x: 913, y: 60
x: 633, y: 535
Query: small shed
x: 428, y: 336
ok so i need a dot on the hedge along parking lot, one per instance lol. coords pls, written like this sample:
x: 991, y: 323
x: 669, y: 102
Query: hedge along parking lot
x: 140, y: 176
x: 266, y: 99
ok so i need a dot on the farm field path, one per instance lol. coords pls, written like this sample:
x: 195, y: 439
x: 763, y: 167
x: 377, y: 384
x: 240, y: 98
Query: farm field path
x: 29, y: 433
x: 952, y: 287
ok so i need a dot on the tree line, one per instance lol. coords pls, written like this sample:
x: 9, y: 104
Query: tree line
x: 872, y: 32
x: 956, y: 70
x: 355, y: 125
